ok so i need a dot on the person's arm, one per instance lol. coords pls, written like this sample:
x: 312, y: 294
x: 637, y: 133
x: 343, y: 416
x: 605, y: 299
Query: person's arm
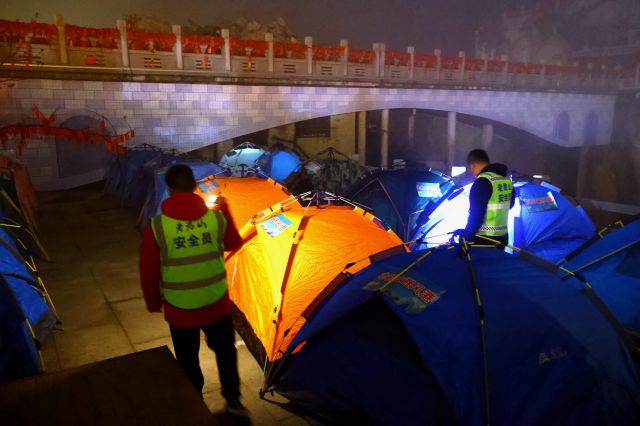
x: 478, y: 200
x: 513, y: 198
x: 149, y: 265
x: 232, y: 240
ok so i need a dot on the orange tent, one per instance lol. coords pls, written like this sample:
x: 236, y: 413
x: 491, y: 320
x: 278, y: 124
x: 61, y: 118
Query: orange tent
x: 291, y: 253
x: 246, y: 196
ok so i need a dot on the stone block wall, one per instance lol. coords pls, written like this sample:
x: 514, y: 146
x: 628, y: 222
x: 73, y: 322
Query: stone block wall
x: 185, y: 116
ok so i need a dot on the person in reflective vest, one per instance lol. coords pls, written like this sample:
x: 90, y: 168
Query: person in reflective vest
x: 182, y: 273
x: 490, y: 199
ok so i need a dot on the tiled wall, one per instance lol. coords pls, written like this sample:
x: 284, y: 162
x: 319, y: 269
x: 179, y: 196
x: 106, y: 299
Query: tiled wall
x: 189, y: 116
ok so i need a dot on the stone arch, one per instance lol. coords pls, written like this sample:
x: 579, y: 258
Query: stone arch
x: 591, y: 128
x: 562, y: 128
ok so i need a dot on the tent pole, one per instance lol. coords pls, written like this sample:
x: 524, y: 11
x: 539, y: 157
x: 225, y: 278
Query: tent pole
x: 483, y: 335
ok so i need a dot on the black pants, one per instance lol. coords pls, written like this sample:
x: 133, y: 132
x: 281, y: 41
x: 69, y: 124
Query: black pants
x: 221, y: 339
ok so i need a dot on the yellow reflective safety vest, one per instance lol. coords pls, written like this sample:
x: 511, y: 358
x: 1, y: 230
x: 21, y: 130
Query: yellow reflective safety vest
x: 496, y: 219
x: 191, y: 259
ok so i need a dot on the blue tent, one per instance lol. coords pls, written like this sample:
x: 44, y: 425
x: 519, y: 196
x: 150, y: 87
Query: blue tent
x: 26, y: 320
x: 127, y: 171
x: 402, y: 198
x: 542, y: 221
x: 15, y: 222
x: 610, y: 262
x: 243, y: 159
x: 278, y: 165
x: 157, y: 190
x: 405, y: 341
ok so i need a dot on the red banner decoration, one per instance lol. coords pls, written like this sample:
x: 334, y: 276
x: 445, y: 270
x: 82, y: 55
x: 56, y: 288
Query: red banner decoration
x: 397, y: 58
x: 46, y: 127
x: 451, y: 62
x: 361, y: 56
x: 249, y: 48
x: 17, y: 32
x: 552, y: 69
x: 196, y: 44
x: 517, y: 67
x: 24, y: 34
x: 289, y: 50
x: 473, y: 64
x: 106, y: 38
x: 327, y: 53
x: 425, y: 60
x: 495, y: 65
x: 161, y: 42
x: 535, y: 69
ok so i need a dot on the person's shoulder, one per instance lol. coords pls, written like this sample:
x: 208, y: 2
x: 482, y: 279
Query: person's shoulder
x: 497, y: 168
x: 482, y: 185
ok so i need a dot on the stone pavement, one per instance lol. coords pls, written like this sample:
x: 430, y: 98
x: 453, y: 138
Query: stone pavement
x: 94, y: 283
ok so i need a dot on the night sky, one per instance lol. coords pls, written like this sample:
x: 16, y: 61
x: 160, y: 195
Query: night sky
x: 426, y: 24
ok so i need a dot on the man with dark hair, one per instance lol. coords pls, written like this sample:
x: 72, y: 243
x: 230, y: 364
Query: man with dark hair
x: 182, y: 272
x: 490, y: 199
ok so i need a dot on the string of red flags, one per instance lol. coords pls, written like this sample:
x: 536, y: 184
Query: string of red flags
x: 46, y: 126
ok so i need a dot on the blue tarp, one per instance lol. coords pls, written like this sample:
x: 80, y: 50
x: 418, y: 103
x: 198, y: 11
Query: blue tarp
x: 410, y: 353
x: 242, y: 160
x: 611, y: 264
x: 157, y: 190
x: 21, y: 300
x: 402, y: 199
x: 542, y: 221
x: 279, y: 165
x: 126, y: 177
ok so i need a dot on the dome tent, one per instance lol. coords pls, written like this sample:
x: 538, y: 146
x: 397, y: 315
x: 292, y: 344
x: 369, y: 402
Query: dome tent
x: 242, y: 160
x: 610, y: 262
x: 245, y: 196
x: 401, y: 198
x: 442, y: 337
x: 279, y: 164
x: 157, y: 190
x: 291, y: 252
x: 542, y: 220
x: 26, y: 316
x: 16, y: 214
x: 328, y: 170
x: 127, y: 170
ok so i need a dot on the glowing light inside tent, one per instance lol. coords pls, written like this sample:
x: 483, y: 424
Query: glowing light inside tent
x: 537, y: 176
x: 457, y: 170
x: 211, y: 201
x: 451, y: 215
x: 536, y: 203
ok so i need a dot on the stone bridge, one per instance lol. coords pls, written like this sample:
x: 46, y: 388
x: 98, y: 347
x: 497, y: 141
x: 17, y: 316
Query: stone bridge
x: 184, y: 93
x: 187, y: 116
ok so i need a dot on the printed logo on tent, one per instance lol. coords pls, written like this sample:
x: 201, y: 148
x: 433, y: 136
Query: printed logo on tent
x: 208, y: 186
x: 428, y: 190
x: 312, y: 167
x: 409, y: 293
x: 536, y: 204
x: 276, y: 225
x: 555, y: 354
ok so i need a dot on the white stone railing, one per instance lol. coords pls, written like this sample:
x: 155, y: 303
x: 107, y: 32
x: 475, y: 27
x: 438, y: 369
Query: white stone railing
x: 36, y: 46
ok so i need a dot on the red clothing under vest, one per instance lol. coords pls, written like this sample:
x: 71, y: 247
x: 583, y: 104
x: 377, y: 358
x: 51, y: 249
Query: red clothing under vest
x: 181, y: 206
